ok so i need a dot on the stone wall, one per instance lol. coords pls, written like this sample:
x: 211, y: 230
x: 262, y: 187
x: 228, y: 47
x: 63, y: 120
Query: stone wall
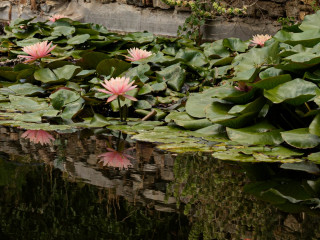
x: 159, y: 18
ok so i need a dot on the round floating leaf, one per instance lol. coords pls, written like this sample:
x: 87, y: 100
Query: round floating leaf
x: 311, y: 22
x: 28, y: 103
x: 142, y: 104
x: 300, y: 138
x: 158, y: 86
x: 294, y: 92
x: 192, y: 56
x: 99, y: 121
x: 272, y: 82
x: 112, y: 66
x: 174, y: 75
x: 218, y: 113
x: 8, y: 74
x: 182, y: 119
x: 139, y: 37
x: 63, y: 97
x: 313, y: 76
x: 79, y: 39
x: 67, y: 72
x: 314, y: 157
x: 233, y: 156
x: 236, y: 44
x: 45, y: 75
x: 262, y: 133
x: 197, y: 103
x: 91, y: 60
x: 215, y: 49
x: 307, y: 38
x: 221, y: 62
x: 145, y: 89
x: 139, y: 72
x: 246, y: 64
x: 314, y: 127
x: 63, y: 30
x: 27, y: 42
x: 25, y: 89
x: 270, y: 72
x: 72, y: 109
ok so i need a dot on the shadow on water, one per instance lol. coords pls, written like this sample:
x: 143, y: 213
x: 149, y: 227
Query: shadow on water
x: 68, y: 189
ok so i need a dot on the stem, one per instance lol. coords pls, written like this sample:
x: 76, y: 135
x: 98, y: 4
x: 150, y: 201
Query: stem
x: 120, y: 110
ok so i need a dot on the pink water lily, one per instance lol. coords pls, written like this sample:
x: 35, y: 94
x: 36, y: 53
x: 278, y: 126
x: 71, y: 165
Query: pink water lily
x: 114, y: 158
x: 118, y: 87
x: 260, y: 39
x: 38, y: 136
x: 136, y: 54
x: 38, y: 50
x: 55, y: 17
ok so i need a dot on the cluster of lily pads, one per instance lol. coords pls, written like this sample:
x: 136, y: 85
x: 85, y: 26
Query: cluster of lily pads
x: 242, y: 100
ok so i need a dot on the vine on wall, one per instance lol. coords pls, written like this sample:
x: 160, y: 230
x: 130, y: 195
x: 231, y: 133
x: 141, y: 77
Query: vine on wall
x: 200, y: 12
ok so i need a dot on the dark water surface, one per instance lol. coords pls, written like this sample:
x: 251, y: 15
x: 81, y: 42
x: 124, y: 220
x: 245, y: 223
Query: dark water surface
x: 60, y: 191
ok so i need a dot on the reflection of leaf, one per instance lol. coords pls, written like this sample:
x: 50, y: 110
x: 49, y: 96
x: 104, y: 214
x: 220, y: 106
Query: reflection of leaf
x: 302, y: 166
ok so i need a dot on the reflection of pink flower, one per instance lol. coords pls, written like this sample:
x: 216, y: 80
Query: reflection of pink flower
x: 260, y: 39
x: 56, y: 17
x: 118, y: 87
x: 38, y: 50
x: 137, y: 54
x: 243, y: 87
x: 38, y: 136
x: 115, y: 159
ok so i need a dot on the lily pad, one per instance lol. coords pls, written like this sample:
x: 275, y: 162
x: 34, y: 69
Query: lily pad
x: 300, y: 138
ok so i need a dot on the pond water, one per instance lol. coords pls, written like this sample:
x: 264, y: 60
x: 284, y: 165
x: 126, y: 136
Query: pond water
x: 61, y: 191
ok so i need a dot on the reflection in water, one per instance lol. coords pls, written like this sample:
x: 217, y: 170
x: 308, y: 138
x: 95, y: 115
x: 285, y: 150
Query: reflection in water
x: 73, y: 196
x: 116, y: 157
x: 38, y: 136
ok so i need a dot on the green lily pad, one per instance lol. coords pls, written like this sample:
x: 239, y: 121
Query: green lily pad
x: 197, y: 103
x: 139, y: 72
x: 113, y: 67
x: 63, y: 97
x: 300, y: 138
x: 236, y: 44
x: 25, y: 89
x: 192, y: 56
x: 294, y: 92
x: 27, y: 103
x: 174, y: 75
x: 261, y: 133
x: 79, y: 39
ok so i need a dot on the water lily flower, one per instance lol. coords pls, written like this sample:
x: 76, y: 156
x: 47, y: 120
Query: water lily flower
x: 55, y: 17
x: 38, y: 136
x: 114, y: 158
x: 137, y: 54
x: 260, y: 39
x: 118, y: 87
x: 37, y: 50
